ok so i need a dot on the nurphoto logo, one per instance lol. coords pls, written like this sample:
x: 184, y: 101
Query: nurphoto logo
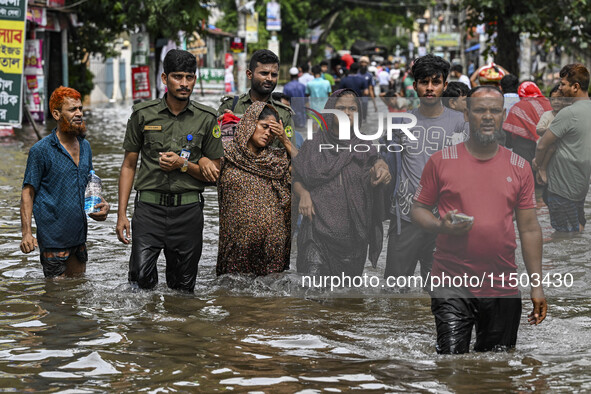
x: 388, y: 121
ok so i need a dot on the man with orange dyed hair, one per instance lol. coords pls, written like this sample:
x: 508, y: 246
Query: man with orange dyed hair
x: 53, y: 190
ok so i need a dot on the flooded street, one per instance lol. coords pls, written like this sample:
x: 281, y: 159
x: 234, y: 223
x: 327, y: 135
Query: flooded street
x: 267, y: 334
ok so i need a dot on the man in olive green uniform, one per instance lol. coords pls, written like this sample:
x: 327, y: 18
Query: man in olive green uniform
x: 263, y: 71
x: 180, y: 147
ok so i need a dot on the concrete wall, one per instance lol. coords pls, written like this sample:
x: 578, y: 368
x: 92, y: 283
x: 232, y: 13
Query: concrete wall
x: 112, y: 78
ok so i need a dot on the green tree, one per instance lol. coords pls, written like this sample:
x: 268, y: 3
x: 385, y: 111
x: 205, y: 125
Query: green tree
x: 101, y: 22
x: 343, y: 22
x: 558, y: 23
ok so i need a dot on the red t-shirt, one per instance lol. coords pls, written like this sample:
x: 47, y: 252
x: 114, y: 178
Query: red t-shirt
x: 489, y: 190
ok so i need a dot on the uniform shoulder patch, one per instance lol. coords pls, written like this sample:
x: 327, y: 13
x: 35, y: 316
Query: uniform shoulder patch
x: 289, y: 131
x: 282, y: 106
x: 145, y: 104
x: 230, y: 97
x: 216, y: 132
x: 226, y: 98
x: 203, y: 107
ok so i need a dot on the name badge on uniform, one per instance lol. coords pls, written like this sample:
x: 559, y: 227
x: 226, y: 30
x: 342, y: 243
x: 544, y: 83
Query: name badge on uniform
x: 152, y: 128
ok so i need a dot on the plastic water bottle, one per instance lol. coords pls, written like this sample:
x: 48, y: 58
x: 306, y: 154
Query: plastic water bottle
x: 93, y: 193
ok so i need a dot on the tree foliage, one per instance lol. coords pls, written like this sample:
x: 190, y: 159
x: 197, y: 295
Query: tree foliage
x: 343, y: 23
x: 103, y: 21
x: 561, y: 23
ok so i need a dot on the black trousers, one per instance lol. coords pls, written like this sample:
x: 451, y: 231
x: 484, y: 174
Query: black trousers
x: 177, y: 230
x: 406, y: 249
x: 456, y: 311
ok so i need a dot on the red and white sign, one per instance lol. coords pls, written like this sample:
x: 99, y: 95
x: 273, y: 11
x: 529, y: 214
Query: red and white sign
x: 34, y: 57
x: 140, y: 77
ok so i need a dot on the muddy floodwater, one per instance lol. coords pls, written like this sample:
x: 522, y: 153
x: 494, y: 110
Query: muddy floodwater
x: 95, y: 334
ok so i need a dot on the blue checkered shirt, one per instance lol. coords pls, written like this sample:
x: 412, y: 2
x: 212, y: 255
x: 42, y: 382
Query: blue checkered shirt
x: 59, y: 186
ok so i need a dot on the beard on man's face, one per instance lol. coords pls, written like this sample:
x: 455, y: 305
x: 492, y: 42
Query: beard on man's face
x: 263, y: 87
x: 72, y: 128
x: 485, y: 139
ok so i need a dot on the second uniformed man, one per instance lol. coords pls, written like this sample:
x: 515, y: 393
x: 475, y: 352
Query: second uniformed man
x: 180, y: 147
x: 263, y: 72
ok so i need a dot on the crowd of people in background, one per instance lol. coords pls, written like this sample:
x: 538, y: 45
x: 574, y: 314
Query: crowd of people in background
x: 528, y: 112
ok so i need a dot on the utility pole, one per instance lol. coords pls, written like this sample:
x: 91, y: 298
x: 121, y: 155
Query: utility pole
x: 241, y: 63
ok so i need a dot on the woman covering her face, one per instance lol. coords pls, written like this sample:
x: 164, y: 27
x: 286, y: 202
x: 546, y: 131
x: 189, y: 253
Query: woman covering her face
x: 337, y: 197
x: 255, y: 197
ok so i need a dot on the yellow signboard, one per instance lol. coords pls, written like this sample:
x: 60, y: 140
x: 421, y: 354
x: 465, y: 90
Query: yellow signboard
x: 12, y: 46
x: 444, y: 39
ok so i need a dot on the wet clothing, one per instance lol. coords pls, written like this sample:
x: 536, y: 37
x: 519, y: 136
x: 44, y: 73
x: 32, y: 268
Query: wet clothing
x: 176, y: 229
x: 336, y: 240
x: 244, y: 101
x: 569, y: 169
x: 168, y: 210
x: 565, y: 215
x: 59, y: 186
x: 405, y: 249
x: 322, y: 256
x: 524, y: 147
x: 406, y: 168
x: 522, y: 120
x: 53, y: 260
x: 456, y: 313
x: 522, y: 123
x: 153, y: 128
x: 255, y: 204
x: 453, y: 179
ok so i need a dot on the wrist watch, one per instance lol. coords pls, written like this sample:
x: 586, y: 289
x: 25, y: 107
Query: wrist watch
x: 185, y: 166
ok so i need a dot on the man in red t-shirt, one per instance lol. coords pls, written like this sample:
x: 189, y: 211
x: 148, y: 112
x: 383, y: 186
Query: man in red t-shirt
x: 474, y: 275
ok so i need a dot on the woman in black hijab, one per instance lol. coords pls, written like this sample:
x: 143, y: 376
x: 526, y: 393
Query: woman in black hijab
x: 336, y: 190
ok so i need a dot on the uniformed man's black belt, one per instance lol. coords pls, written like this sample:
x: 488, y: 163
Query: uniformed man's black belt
x: 169, y: 199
